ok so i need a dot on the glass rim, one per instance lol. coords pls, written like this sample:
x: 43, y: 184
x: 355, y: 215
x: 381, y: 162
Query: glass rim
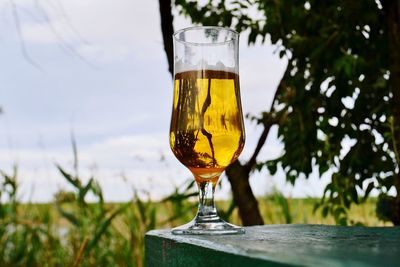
x: 177, y: 39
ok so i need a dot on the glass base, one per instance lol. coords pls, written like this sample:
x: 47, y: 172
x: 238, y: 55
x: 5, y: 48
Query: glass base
x: 208, y: 226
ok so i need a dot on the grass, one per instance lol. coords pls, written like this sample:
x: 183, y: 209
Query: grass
x: 72, y: 232
x: 301, y: 212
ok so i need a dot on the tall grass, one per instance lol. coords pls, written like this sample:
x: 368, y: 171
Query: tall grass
x: 73, y: 232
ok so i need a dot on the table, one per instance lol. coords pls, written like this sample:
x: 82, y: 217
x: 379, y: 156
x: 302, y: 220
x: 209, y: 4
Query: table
x: 278, y: 245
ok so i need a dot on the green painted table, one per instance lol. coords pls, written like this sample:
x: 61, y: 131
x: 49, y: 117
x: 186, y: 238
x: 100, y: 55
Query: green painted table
x: 278, y: 245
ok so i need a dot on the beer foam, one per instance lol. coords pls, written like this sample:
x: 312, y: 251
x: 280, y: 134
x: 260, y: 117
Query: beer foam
x: 181, y: 66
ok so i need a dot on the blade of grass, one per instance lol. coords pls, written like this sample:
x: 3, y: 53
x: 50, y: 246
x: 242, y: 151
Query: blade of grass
x: 75, y: 182
x: 104, y: 225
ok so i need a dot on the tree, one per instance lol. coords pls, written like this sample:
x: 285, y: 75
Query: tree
x: 338, y: 104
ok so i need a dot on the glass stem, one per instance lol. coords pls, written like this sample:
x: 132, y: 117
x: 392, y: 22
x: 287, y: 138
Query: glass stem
x: 207, y: 211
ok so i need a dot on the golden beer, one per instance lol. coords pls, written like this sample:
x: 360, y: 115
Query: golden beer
x: 207, y: 132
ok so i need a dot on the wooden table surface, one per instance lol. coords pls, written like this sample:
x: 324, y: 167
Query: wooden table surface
x: 278, y: 245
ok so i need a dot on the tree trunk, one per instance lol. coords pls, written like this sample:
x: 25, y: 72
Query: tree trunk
x: 238, y: 176
x: 167, y: 29
x: 392, y: 15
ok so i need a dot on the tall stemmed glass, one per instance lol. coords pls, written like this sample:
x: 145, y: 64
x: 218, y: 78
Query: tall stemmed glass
x: 207, y: 132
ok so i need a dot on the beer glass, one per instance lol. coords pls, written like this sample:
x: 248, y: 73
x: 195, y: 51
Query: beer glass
x: 207, y: 131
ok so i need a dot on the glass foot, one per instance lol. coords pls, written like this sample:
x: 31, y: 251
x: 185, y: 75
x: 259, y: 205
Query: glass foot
x: 215, y: 226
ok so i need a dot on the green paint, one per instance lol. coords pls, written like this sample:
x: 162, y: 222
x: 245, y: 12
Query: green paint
x: 278, y: 245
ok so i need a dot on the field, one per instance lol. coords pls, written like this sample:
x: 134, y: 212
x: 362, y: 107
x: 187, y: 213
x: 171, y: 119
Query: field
x: 72, y: 232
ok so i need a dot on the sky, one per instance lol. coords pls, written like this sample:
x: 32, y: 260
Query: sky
x: 96, y: 69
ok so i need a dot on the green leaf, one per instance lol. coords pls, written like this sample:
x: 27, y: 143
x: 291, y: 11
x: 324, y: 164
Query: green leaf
x: 369, y: 188
x: 323, y: 168
x: 75, y: 182
x: 316, y: 206
x: 103, y: 226
x: 343, y: 221
x: 325, y: 211
x: 142, y: 209
x: 153, y: 219
x: 190, y: 185
x: 180, y: 197
x: 83, y: 191
x: 272, y: 167
x: 338, y: 212
x: 69, y: 216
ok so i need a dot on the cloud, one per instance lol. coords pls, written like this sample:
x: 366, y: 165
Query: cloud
x: 101, y: 54
x: 102, y: 31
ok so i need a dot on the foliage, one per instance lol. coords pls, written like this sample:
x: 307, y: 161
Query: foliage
x: 75, y: 232
x: 334, y: 108
x: 22, y: 235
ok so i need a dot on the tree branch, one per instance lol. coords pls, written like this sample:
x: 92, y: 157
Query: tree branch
x: 167, y: 29
x: 24, y: 52
x: 271, y: 119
